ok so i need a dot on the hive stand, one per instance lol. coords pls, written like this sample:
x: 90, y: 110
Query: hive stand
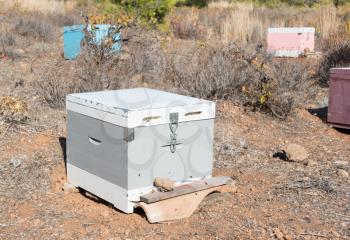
x: 182, y: 201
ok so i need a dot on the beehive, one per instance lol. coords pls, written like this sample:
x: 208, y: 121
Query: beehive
x: 73, y: 35
x: 290, y: 42
x: 339, y: 98
x: 119, y: 141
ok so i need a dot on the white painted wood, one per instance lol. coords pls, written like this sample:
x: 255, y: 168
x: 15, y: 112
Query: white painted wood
x: 139, y: 107
x: 291, y: 30
x: 288, y: 53
x: 100, y: 187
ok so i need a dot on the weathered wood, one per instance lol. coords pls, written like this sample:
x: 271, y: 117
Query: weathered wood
x: 186, y: 189
x: 177, y: 207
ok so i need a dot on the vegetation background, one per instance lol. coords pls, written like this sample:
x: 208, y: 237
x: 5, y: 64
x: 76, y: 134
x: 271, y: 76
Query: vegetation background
x: 209, y: 49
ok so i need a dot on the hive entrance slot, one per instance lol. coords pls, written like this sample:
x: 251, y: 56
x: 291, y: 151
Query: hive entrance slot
x: 94, y: 141
x: 193, y: 113
x: 150, y: 118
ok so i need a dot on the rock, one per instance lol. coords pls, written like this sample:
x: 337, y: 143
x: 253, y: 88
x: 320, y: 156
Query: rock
x: 341, y: 163
x: 311, y: 163
x: 295, y: 152
x: 19, y: 82
x: 164, y: 184
x: 2, y: 168
x: 230, y: 187
x: 243, y: 143
x: 344, y: 224
x: 15, y: 162
x: 342, y: 173
x: 137, y: 79
x: 281, y: 235
x: 36, y: 222
x: 105, y: 213
x: 69, y: 188
x: 278, y: 234
x: 19, y: 52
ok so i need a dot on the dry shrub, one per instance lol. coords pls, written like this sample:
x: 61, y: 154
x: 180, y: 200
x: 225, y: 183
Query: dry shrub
x: 13, y: 110
x: 99, y: 65
x: 54, y: 84
x: 7, y: 42
x: 145, y: 55
x: 293, y: 85
x: 215, y: 72
x: 96, y: 68
x: 35, y: 27
x: 224, y: 72
x: 66, y: 19
x: 337, y: 56
x: 187, y: 26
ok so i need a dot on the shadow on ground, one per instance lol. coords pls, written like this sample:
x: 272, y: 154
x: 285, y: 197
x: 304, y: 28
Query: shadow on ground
x: 321, y: 112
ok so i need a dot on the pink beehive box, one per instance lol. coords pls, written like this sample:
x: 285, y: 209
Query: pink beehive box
x: 290, y: 42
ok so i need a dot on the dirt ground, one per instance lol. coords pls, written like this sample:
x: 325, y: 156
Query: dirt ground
x: 275, y: 199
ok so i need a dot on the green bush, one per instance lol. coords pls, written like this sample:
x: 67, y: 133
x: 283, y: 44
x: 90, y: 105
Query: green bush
x: 150, y: 11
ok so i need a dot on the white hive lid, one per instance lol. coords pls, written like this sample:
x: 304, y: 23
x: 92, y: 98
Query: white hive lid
x: 291, y: 30
x: 343, y: 70
x: 139, y: 106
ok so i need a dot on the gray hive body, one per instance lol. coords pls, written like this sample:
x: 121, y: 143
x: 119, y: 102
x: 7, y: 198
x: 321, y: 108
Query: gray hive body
x: 119, y: 141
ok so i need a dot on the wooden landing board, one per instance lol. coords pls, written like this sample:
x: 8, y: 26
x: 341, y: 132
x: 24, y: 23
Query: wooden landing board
x: 177, y: 207
x: 186, y: 189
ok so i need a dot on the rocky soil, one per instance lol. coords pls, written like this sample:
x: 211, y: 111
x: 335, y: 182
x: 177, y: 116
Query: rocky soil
x: 292, y: 176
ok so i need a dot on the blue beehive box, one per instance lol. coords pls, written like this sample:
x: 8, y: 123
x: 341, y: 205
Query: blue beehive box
x: 73, y: 35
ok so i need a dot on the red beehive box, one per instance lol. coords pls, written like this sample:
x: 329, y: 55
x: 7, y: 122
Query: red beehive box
x: 339, y: 98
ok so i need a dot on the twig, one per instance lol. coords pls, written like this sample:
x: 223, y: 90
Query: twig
x: 5, y: 131
x: 315, y: 234
x: 9, y: 234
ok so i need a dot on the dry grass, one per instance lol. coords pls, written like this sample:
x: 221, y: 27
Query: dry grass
x: 43, y: 6
x: 246, y: 23
x: 224, y: 71
x: 34, y: 27
x: 337, y: 56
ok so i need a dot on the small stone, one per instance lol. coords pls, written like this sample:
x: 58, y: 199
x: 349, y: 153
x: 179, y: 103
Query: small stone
x: 286, y: 235
x: 281, y: 235
x: 295, y: 152
x: 164, y: 184
x: 243, y: 143
x: 336, y: 234
x: 2, y: 168
x: 230, y: 187
x: 311, y: 163
x: 342, y: 173
x: 341, y: 163
x: 69, y: 188
x: 19, y: 52
x: 15, y: 162
x: 137, y: 79
x: 105, y: 213
x: 344, y: 224
x: 37, y: 222
x: 278, y: 234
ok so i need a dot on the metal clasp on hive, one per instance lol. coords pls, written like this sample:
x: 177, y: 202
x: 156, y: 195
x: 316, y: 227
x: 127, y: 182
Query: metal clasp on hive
x: 173, y: 125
